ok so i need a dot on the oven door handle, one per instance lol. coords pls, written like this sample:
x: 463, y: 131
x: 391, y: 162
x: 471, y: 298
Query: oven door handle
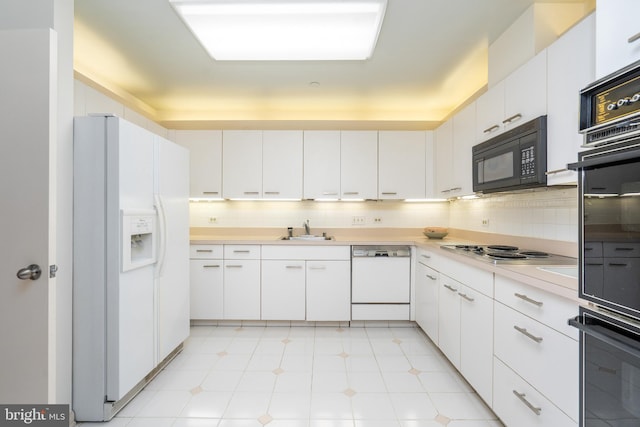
x: 600, y: 160
x: 604, y: 335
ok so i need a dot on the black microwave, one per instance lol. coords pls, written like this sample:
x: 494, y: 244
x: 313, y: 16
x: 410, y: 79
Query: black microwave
x: 514, y: 160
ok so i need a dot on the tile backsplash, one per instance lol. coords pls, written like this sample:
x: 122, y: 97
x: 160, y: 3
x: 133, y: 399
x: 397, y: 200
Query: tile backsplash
x: 550, y: 213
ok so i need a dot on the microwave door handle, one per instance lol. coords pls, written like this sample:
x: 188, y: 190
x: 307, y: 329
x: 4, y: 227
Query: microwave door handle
x: 601, y: 160
x: 604, y: 335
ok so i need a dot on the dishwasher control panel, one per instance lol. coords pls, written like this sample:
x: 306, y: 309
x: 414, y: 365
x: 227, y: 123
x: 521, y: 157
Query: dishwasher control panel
x: 381, y: 251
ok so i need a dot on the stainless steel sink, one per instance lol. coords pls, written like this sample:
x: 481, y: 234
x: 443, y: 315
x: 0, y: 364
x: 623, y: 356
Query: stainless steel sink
x: 310, y: 237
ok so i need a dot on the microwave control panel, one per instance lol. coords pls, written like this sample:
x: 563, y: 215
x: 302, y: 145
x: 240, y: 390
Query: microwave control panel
x: 528, y: 162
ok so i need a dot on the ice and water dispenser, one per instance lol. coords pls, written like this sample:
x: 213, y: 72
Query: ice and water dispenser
x: 138, y: 239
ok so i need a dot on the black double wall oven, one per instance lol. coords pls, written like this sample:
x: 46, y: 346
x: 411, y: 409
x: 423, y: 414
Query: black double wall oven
x: 609, y: 255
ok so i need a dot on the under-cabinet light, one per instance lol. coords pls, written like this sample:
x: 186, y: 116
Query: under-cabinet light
x: 264, y: 30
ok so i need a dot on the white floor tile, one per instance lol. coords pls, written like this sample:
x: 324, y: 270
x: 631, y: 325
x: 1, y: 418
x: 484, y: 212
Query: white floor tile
x: 301, y: 376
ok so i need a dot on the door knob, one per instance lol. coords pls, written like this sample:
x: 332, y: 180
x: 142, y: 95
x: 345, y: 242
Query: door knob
x: 31, y: 272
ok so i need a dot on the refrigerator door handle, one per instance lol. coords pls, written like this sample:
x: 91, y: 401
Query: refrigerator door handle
x: 162, y: 234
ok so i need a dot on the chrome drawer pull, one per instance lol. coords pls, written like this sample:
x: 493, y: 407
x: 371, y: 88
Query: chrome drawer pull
x: 527, y: 299
x: 491, y: 129
x: 425, y: 256
x: 251, y: 193
x: 293, y: 266
x: 270, y: 193
x: 465, y: 296
x: 451, y: 288
x: 633, y: 38
x: 212, y: 266
x: 329, y: 193
x: 234, y: 266
x: 527, y: 334
x: 523, y: 399
x: 244, y: 251
x: 512, y: 118
x: 389, y: 193
x: 320, y: 267
x: 351, y: 193
x: 431, y: 277
x: 553, y: 172
x: 204, y: 250
x: 210, y: 192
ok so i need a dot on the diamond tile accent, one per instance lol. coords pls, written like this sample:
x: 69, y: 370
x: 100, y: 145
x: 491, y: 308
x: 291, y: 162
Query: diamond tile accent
x: 278, y: 371
x: 223, y: 354
x: 196, y: 390
x: 349, y: 392
x: 265, y: 419
x: 239, y: 329
x: 441, y: 419
x: 339, y: 330
x: 397, y: 341
x: 286, y: 341
x: 344, y: 355
x: 415, y: 371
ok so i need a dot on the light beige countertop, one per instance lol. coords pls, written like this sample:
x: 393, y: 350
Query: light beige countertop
x: 532, y: 275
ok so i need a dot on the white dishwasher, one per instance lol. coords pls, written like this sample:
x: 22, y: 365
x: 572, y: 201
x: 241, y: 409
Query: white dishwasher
x: 380, y: 282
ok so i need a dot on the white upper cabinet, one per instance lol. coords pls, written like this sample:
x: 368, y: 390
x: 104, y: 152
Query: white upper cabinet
x: 281, y: 164
x: 359, y: 165
x: 519, y: 98
x: 242, y: 160
x: 321, y: 164
x: 617, y: 35
x: 430, y: 165
x: 205, y: 161
x: 526, y: 92
x: 454, y: 140
x: 570, y: 68
x: 401, y: 165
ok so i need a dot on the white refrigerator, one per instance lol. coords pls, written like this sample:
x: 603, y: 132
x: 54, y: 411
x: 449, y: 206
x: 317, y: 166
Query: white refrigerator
x: 131, y: 261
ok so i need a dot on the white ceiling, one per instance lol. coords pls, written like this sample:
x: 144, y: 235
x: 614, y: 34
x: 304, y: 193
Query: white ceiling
x: 431, y: 56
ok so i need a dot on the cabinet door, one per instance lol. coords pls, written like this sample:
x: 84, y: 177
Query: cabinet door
x: 449, y: 319
x: 359, y: 165
x: 526, y: 92
x: 328, y: 290
x: 570, y: 67
x: 617, y: 28
x: 321, y: 164
x: 282, y: 164
x: 476, y: 341
x: 490, y: 113
x: 444, y: 159
x: 401, y: 165
x: 242, y: 289
x: 427, y: 288
x: 242, y: 164
x: 464, y: 138
x: 205, y: 161
x: 283, y: 290
x: 206, y: 290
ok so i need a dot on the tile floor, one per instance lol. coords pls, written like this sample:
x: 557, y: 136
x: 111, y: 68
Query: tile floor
x: 307, y: 377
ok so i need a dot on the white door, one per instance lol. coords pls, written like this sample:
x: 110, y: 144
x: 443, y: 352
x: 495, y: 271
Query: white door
x: 27, y: 194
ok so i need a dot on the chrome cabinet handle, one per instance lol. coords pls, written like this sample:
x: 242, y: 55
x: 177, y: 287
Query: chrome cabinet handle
x: 251, y: 193
x: 529, y: 300
x: 524, y: 400
x: 293, y: 266
x: 329, y: 193
x: 32, y: 272
x: 431, y: 277
x: 234, y: 266
x: 425, y: 256
x: 351, y: 193
x: 272, y: 192
x: 527, y: 334
x: 320, y: 267
x: 491, y: 129
x: 451, y: 288
x: 512, y: 118
x: 389, y: 193
x: 243, y: 251
x: 456, y: 189
x: 212, y: 266
x: 204, y: 250
x: 555, y: 171
x: 634, y: 38
x: 210, y: 192
x: 465, y: 296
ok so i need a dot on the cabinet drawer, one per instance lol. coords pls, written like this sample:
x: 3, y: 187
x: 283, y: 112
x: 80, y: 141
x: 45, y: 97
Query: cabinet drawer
x: 552, y: 310
x: 428, y: 258
x: 621, y: 250
x: 475, y: 278
x: 380, y: 312
x: 517, y: 403
x: 540, y: 355
x: 306, y: 252
x: 205, y: 251
x: 241, y: 251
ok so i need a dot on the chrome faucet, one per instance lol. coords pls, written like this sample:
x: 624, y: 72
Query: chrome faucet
x: 307, y: 229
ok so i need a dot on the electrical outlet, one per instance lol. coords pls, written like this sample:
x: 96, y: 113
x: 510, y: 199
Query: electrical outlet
x: 485, y: 222
x: 358, y: 220
x: 377, y: 220
x: 213, y: 220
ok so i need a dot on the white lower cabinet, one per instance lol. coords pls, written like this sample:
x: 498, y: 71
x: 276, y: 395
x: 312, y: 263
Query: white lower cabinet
x: 426, y: 297
x: 328, y: 290
x: 518, y: 404
x: 449, y: 319
x: 206, y: 281
x: 242, y: 282
x: 283, y: 290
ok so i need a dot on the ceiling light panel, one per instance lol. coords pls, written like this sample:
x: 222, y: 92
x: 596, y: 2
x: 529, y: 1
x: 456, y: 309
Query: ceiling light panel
x: 287, y: 30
